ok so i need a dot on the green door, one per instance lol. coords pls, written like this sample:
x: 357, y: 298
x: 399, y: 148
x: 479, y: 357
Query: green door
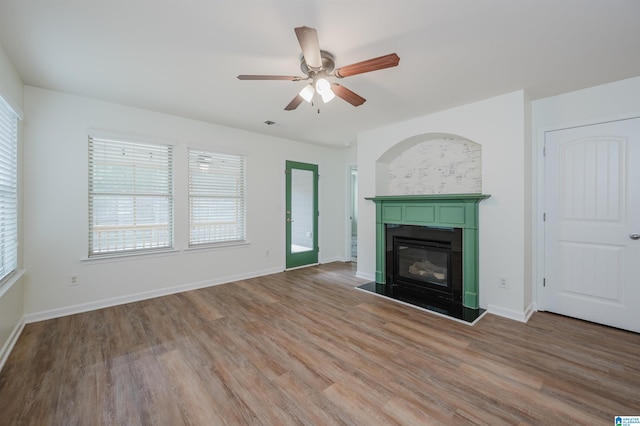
x: 301, y: 214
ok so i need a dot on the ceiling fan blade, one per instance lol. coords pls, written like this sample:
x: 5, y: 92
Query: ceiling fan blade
x: 294, y: 103
x: 269, y: 77
x: 386, y: 61
x: 346, y: 94
x: 308, y: 39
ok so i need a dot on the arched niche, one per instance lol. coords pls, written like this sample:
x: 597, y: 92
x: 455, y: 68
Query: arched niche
x: 431, y: 163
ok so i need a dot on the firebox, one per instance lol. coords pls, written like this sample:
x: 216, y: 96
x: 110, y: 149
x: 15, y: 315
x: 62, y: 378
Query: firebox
x: 425, y: 260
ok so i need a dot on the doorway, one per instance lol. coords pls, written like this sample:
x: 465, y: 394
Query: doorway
x: 301, y: 214
x: 352, y: 244
x: 592, y: 225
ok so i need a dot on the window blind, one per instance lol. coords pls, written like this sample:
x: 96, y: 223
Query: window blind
x: 216, y: 197
x: 130, y: 196
x: 8, y: 190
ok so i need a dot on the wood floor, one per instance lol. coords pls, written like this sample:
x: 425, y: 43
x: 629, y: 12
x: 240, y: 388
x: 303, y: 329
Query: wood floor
x: 305, y: 347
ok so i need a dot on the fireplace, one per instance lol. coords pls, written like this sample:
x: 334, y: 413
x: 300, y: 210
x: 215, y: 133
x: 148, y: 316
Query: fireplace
x: 425, y: 260
x: 427, y: 252
x: 422, y: 264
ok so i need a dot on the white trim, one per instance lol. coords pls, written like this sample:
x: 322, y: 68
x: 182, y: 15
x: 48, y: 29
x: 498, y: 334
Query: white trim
x: 531, y: 309
x: 348, y: 221
x: 521, y: 316
x: 11, y: 281
x: 218, y: 149
x: 121, y: 300
x: 111, y: 135
x: 119, y: 257
x: 538, y: 224
x: 10, y: 343
x: 218, y: 246
x: 132, y: 255
x: 333, y: 259
x: 365, y: 276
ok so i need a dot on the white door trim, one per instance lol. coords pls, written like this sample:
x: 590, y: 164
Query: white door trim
x: 349, y: 195
x: 539, y: 206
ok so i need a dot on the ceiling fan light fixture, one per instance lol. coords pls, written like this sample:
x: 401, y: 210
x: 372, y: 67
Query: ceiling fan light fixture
x: 307, y: 92
x: 323, y: 87
x: 327, y: 96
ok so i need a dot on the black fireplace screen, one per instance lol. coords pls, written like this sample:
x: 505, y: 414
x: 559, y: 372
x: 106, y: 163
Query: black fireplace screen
x: 429, y: 263
x: 425, y: 259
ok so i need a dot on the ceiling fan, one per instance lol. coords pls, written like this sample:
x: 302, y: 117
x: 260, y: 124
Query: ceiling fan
x: 318, y: 65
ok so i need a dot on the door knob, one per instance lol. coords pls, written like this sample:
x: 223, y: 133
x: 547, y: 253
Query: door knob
x: 289, y: 220
x: 635, y: 236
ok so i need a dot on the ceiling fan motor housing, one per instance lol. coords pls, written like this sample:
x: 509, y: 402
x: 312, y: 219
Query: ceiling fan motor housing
x: 328, y: 63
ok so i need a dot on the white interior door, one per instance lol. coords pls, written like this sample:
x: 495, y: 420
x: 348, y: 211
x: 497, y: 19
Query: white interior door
x: 592, y: 250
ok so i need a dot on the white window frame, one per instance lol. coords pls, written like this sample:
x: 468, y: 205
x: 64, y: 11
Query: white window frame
x: 130, y: 196
x: 8, y: 191
x: 217, y: 198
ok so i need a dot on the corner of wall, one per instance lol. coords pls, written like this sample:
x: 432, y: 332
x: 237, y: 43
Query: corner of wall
x: 513, y: 314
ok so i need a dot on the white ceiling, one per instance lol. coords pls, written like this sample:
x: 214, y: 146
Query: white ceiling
x: 182, y: 57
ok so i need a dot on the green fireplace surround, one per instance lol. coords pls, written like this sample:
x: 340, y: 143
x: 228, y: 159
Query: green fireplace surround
x: 437, y: 210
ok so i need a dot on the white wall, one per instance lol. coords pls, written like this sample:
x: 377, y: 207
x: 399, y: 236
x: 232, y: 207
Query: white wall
x: 55, y: 205
x: 498, y: 124
x: 11, y: 299
x: 620, y: 99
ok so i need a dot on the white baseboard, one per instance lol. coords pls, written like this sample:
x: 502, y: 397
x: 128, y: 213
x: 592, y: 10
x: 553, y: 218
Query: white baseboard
x: 333, y: 259
x: 521, y: 316
x: 529, y: 311
x: 365, y: 276
x: 10, y: 343
x: 121, y: 300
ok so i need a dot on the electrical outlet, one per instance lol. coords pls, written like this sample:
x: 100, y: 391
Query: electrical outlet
x: 502, y: 282
x: 73, y: 280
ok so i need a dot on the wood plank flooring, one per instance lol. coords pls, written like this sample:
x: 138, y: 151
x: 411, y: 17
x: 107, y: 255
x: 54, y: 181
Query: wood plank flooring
x: 305, y: 347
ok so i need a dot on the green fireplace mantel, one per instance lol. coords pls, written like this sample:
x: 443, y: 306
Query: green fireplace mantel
x: 437, y: 210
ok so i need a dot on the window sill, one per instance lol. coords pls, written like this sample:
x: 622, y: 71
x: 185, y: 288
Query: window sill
x: 218, y: 246
x: 162, y: 253
x: 4, y: 287
x: 129, y: 256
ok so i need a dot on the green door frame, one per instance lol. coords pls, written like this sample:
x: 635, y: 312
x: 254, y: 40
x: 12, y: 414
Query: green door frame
x: 296, y: 257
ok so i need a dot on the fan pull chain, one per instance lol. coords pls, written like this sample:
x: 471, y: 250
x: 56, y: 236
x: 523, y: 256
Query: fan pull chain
x: 315, y: 101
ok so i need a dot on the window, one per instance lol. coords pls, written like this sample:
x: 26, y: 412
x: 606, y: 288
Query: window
x: 8, y: 190
x: 216, y: 198
x: 130, y: 197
